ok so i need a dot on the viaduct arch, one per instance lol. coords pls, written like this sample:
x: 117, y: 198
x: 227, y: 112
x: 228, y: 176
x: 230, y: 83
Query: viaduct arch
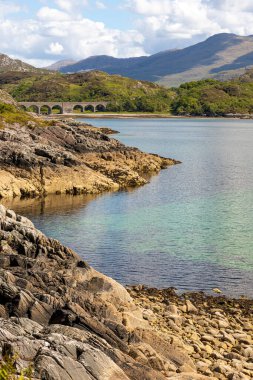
x: 65, y: 107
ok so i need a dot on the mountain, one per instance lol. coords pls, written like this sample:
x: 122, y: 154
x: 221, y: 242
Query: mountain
x: 105, y: 63
x: 221, y: 56
x: 58, y: 65
x: 9, y: 64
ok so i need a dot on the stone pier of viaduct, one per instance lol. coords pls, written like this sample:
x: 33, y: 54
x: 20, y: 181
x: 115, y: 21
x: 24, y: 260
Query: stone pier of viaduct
x: 63, y: 107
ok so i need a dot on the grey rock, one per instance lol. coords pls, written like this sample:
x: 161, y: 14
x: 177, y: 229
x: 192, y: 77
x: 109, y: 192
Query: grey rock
x: 66, y: 318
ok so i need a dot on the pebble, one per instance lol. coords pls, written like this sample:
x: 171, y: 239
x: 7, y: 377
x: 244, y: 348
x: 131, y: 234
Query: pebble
x: 208, y: 338
x: 190, y: 307
x: 217, y: 290
x: 223, y: 324
x: 208, y: 349
x: 148, y: 315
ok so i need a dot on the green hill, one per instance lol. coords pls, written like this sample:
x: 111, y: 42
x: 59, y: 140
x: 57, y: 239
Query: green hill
x: 214, y: 98
x: 205, y: 97
x: 123, y: 94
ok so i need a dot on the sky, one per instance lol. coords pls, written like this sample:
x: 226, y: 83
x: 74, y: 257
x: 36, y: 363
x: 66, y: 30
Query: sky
x: 41, y: 32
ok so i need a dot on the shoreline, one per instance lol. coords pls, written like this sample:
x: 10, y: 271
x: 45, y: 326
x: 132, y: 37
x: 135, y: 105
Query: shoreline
x: 159, y: 334
x: 111, y: 116
x: 69, y: 157
x: 138, y: 116
x: 57, y: 309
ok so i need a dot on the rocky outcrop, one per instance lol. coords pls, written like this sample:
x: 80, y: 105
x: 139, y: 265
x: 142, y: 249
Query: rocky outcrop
x: 72, y: 322
x: 8, y: 64
x: 6, y: 98
x: 67, y: 157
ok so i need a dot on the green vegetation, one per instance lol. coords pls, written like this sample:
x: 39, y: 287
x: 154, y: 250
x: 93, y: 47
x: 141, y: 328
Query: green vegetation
x: 205, y: 97
x: 214, y: 98
x: 10, y: 114
x: 8, y: 370
x: 123, y: 94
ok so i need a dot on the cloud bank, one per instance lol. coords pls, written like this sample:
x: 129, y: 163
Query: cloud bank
x: 55, y: 30
x: 178, y: 23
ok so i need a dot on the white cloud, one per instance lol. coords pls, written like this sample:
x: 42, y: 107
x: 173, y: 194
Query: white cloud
x: 176, y: 23
x: 60, y: 27
x: 47, y: 14
x: 100, y: 5
x: 57, y: 32
x: 7, y: 8
x: 55, y: 48
x: 70, y: 5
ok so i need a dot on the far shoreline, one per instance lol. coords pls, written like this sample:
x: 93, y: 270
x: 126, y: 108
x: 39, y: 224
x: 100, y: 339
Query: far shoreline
x: 105, y: 115
x: 113, y: 116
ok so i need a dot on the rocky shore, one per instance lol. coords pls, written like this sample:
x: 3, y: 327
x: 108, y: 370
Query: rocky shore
x: 69, y: 157
x: 69, y: 322
x: 66, y: 321
x: 216, y: 331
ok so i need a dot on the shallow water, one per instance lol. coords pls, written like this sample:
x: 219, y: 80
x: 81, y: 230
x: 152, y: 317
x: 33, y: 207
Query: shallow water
x: 191, y: 227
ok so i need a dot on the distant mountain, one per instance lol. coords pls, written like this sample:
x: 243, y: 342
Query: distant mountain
x: 9, y: 64
x: 221, y: 56
x: 105, y: 63
x: 58, y: 65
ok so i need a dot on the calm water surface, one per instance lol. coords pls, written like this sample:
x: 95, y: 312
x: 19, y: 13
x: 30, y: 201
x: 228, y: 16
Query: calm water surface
x: 191, y: 227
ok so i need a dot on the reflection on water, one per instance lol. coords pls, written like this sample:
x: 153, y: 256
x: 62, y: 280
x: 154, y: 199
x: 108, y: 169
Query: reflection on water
x: 50, y: 205
x: 191, y: 227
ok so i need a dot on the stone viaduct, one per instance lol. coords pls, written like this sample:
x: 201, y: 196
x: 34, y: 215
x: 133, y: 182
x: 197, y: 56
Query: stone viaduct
x: 63, y: 107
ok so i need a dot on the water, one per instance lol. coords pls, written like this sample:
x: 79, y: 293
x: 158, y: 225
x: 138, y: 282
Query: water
x: 191, y: 227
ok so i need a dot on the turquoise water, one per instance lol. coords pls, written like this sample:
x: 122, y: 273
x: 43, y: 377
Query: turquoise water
x: 191, y: 227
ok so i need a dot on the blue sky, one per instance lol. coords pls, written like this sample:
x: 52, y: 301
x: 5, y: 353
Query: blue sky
x: 114, y: 14
x: 41, y: 31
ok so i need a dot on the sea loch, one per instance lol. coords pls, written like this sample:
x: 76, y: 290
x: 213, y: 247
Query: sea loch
x: 190, y: 227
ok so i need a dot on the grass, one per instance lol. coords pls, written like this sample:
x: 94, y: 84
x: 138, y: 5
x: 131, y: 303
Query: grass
x: 8, y: 370
x: 10, y: 114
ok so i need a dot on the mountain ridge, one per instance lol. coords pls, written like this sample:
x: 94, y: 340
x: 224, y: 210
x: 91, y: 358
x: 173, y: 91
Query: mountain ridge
x: 221, y: 55
x: 9, y: 64
x: 59, y: 64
